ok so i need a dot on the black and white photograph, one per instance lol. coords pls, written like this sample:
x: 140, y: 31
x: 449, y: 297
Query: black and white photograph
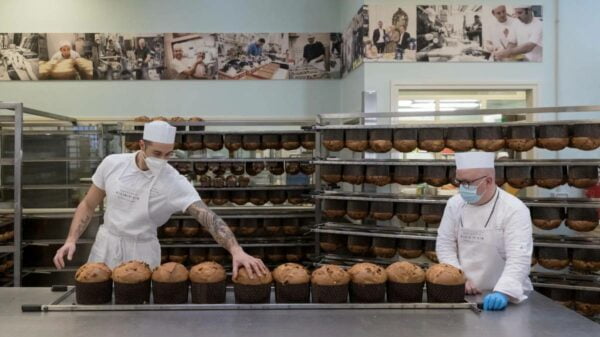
x: 450, y: 33
x: 315, y: 56
x: 19, y: 56
x: 254, y: 56
x: 69, y: 57
x: 392, y: 34
x: 354, y: 38
x: 191, y: 56
x: 513, y: 33
x: 127, y: 56
x: 347, y: 50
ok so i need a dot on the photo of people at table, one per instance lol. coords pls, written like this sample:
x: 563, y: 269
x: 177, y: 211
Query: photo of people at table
x: 450, y: 33
x: 254, y: 56
x: 513, y: 33
x: 315, y: 56
x: 392, y: 34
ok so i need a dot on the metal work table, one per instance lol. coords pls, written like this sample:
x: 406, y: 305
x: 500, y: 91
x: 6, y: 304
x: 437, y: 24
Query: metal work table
x: 538, y: 316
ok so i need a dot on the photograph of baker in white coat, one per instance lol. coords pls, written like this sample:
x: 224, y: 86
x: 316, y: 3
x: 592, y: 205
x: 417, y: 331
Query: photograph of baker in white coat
x: 486, y: 232
x: 142, y: 192
x: 513, y: 33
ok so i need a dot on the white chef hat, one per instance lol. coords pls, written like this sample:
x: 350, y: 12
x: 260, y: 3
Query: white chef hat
x: 474, y: 160
x: 160, y: 132
x: 522, y: 6
x: 64, y: 43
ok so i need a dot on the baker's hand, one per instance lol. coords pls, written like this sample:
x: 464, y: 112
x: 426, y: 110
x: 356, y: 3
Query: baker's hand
x: 252, y: 265
x: 501, y: 54
x: 59, y: 258
x: 495, y: 301
x: 470, y: 288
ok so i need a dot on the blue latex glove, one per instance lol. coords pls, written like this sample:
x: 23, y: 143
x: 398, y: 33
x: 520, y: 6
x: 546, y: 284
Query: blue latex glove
x: 495, y: 301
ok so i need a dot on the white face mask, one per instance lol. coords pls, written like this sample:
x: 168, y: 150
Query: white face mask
x: 155, y: 165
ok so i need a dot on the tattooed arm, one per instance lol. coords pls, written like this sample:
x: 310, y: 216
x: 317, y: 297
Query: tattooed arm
x: 214, y: 224
x: 223, y: 235
x: 81, y: 220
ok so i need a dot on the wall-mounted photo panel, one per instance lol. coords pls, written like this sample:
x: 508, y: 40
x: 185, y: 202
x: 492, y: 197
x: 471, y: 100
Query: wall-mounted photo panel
x: 450, y: 33
x: 128, y: 56
x: 191, y: 56
x: 513, y: 33
x: 347, y: 50
x: 254, y: 56
x: 354, y: 40
x: 316, y: 56
x: 20, y: 54
x: 392, y: 34
x: 67, y: 56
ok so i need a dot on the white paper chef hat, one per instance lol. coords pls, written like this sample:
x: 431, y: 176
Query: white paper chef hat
x: 474, y: 160
x: 64, y: 43
x: 160, y: 132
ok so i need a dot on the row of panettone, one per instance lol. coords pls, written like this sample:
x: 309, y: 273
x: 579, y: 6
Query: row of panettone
x: 546, y: 218
x: 579, y: 176
x: 232, y: 142
x: 252, y: 168
x: 485, y: 138
x: 169, y: 283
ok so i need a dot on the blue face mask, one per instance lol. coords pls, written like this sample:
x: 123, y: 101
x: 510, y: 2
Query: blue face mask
x: 469, y: 194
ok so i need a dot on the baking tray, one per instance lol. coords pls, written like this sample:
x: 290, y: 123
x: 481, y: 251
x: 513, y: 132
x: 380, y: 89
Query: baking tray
x: 65, y: 302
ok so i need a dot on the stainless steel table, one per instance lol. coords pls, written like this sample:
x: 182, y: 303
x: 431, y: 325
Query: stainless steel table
x: 538, y: 316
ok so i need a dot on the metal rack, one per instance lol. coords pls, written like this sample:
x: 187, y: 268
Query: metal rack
x: 15, y: 121
x: 371, y: 193
x: 109, y: 130
x: 241, y: 127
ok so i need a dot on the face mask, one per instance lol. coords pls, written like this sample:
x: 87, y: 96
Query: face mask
x: 155, y: 165
x: 469, y: 194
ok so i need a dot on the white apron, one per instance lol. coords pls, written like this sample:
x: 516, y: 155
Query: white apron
x: 128, y: 232
x: 481, y: 249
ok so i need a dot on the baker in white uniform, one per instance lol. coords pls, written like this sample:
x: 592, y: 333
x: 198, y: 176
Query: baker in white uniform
x: 529, y: 34
x: 142, y: 192
x: 486, y: 232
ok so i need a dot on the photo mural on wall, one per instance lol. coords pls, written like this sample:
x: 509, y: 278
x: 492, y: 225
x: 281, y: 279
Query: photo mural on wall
x: 20, y: 54
x: 191, y: 56
x: 354, y: 39
x: 513, y: 33
x: 475, y: 33
x: 315, y: 56
x: 254, y: 56
x: 391, y: 32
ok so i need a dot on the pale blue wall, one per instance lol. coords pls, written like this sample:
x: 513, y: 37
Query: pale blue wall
x: 284, y: 99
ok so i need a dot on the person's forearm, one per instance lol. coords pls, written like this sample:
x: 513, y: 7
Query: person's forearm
x: 81, y: 220
x: 522, y: 49
x: 215, y: 225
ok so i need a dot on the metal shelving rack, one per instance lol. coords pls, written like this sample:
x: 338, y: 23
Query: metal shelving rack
x: 15, y: 122
x: 243, y: 127
x: 109, y: 130
x: 369, y: 121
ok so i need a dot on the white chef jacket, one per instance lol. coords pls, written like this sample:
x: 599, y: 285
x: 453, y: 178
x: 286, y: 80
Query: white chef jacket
x: 503, y: 262
x: 531, y: 32
x: 182, y: 65
x: 500, y: 34
x: 170, y: 194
